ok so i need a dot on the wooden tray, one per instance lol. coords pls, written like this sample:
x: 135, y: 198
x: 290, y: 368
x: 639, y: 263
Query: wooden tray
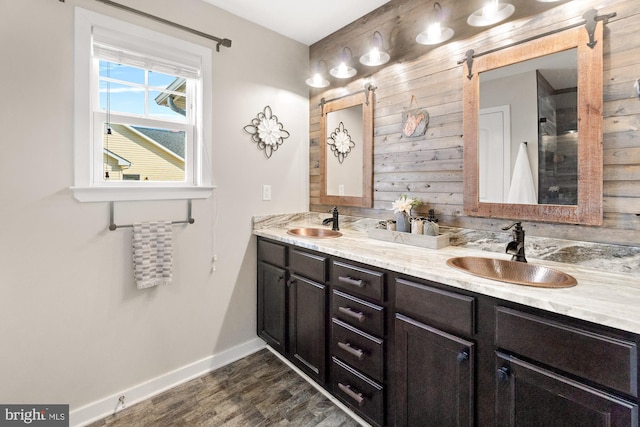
x: 430, y: 242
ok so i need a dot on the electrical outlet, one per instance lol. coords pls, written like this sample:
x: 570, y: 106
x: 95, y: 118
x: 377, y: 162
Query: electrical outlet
x: 341, y: 190
x: 266, y: 192
x: 120, y: 405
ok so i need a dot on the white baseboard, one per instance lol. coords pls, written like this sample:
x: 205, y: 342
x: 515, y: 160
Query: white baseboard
x: 107, y: 406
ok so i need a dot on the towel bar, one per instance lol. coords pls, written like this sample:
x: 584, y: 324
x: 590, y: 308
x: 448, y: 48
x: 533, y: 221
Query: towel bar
x: 113, y: 226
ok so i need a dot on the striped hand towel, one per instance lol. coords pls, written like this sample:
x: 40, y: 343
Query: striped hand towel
x: 152, y: 253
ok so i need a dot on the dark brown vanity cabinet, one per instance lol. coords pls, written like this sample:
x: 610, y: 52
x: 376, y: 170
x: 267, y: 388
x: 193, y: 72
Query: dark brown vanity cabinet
x: 403, y: 351
x: 358, y: 339
x: 470, y: 360
x: 435, y: 370
x: 308, y: 312
x: 293, y: 305
x: 550, y: 372
x: 272, y: 294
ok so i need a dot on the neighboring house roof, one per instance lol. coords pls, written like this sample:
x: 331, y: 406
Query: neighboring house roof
x: 171, y: 140
x: 142, y: 156
x: 121, y: 160
x: 174, y: 102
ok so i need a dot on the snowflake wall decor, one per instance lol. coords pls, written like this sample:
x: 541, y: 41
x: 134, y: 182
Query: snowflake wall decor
x: 340, y: 142
x: 267, y: 131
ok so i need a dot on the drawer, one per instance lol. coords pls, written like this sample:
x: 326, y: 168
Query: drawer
x: 272, y: 253
x: 598, y: 358
x: 361, y: 394
x: 429, y: 304
x: 359, y: 313
x: 358, y: 349
x: 308, y: 265
x: 357, y: 280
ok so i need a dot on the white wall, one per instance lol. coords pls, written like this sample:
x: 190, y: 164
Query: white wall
x: 524, y: 105
x: 74, y: 329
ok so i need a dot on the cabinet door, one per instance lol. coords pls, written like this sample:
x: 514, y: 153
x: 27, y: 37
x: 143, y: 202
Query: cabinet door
x: 435, y: 376
x: 307, y: 326
x: 272, y: 292
x: 527, y: 395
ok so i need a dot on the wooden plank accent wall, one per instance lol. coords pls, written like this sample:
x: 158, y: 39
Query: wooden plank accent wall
x: 430, y: 167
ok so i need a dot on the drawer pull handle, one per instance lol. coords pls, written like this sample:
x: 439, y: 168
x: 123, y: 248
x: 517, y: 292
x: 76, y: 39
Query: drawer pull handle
x: 346, y: 389
x: 349, y: 281
x: 290, y: 282
x: 503, y: 374
x: 351, y: 350
x: 360, y: 317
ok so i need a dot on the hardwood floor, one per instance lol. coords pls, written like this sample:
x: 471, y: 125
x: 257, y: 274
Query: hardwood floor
x: 258, y: 390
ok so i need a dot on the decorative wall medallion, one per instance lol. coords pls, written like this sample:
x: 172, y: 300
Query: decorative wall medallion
x: 267, y: 131
x: 340, y: 142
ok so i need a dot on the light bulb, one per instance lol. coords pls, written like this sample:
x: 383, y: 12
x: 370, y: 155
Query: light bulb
x: 492, y: 13
x: 490, y: 9
x: 374, y: 54
x: 316, y: 78
x: 344, y: 70
x: 434, y: 31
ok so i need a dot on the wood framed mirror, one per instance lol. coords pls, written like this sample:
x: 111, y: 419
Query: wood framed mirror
x: 562, y: 201
x: 346, y: 150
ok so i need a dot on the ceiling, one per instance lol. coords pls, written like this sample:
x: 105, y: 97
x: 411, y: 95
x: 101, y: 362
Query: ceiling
x: 306, y: 21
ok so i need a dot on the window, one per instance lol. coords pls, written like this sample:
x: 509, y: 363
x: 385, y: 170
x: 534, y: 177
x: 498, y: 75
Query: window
x: 142, y: 105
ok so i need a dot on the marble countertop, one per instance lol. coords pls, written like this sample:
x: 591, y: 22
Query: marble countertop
x: 608, y: 297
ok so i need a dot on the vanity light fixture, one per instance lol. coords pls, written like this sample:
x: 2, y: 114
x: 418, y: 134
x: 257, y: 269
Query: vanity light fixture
x: 344, y: 70
x: 435, y: 32
x: 317, y: 78
x: 492, y: 13
x: 376, y: 56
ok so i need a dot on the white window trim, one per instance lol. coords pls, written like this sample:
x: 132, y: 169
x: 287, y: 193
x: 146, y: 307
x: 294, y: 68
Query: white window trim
x: 85, y: 188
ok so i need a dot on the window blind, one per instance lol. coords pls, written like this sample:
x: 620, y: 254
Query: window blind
x: 120, y: 49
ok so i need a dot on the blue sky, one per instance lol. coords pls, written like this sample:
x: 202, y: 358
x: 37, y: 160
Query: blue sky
x: 129, y: 97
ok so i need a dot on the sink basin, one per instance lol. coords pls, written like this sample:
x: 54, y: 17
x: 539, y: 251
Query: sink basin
x: 518, y: 273
x: 318, y: 233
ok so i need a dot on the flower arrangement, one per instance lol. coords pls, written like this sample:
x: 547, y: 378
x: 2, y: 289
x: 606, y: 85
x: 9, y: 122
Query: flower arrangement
x: 405, y: 204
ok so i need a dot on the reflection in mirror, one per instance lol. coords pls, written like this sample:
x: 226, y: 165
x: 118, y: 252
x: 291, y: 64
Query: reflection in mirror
x: 542, y: 112
x: 346, y: 150
x: 557, y: 175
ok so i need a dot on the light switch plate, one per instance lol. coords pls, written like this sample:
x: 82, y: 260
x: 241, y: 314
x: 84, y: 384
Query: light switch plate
x: 266, y: 192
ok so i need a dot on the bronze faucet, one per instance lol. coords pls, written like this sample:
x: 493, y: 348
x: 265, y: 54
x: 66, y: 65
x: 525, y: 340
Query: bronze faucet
x: 516, y: 246
x: 333, y: 219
